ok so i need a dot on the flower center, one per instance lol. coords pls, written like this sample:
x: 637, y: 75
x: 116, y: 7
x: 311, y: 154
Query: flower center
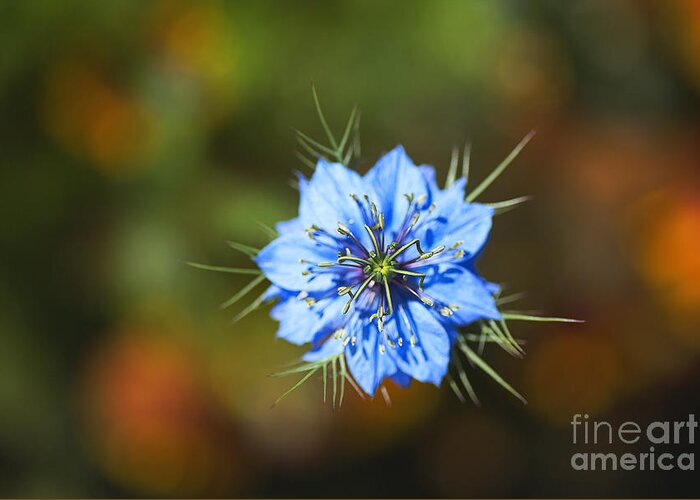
x: 382, y: 267
x: 384, y: 273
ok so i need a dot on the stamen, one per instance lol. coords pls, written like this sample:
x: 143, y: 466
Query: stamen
x: 405, y: 275
x: 445, y: 311
x: 374, y: 240
x: 432, y: 253
x: 408, y: 245
x: 345, y: 231
x: 388, y: 295
x: 422, y: 297
x: 427, y: 301
x: 353, y: 259
x: 346, y: 307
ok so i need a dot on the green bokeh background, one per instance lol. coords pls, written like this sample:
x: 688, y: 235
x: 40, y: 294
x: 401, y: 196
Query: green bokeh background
x: 136, y: 136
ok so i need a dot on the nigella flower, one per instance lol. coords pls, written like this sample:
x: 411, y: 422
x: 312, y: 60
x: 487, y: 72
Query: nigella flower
x: 381, y: 269
x: 376, y: 275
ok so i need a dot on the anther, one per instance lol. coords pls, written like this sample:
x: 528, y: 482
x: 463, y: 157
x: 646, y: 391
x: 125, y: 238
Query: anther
x: 310, y: 301
x: 456, y: 244
x: 347, y: 339
x: 428, y: 302
x: 302, y: 295
x: 459, y: 254
x: 381, y: 348
x: 353, y: 341
x: 413, y: 340
x: 326, y: 264
x: 421, y: 199
x: 391, y: 343
x: 432, y: 253
x: 445, y: 311
x: 400, y: 341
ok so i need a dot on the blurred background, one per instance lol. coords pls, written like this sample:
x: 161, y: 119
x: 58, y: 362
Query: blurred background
x: 135, y: 136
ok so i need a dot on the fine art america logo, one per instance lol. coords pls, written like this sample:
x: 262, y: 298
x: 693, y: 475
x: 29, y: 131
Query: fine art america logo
x: 655, y: 446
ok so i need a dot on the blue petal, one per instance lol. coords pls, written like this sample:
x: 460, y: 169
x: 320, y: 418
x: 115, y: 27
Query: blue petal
x: 330, y: 347
x: 392, y: 177
x: 428, y: 172
x: 453, y: 220
x: 325, y: 198
x: 280, y: 261
x: 367, y: 366
x: 402, y: 379
x: 428, y: 359
x: 301, y: 323
x: 289, y: 226
x: 451, y: 284
x: 296, y: 320
x: 274, y: 292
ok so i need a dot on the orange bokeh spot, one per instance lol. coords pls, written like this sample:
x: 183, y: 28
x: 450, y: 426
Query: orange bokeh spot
x: 150, y: 423
x: 670, y: 256
x: 570, y: 374
x: 94, y: 118
x: 685, y: 16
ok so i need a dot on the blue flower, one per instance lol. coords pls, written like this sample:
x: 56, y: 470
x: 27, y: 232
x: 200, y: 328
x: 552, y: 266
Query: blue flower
x: 380, y: 269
